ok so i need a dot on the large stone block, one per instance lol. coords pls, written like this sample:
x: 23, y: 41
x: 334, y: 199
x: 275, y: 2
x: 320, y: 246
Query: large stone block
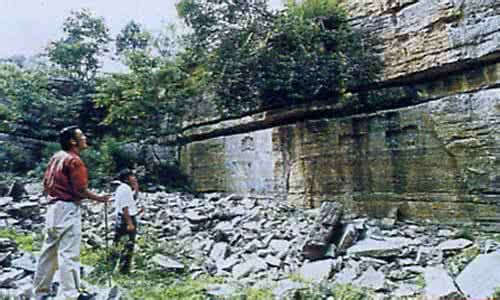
x: 428, y: 36
x: 238, y: 163
x: 438, y: 152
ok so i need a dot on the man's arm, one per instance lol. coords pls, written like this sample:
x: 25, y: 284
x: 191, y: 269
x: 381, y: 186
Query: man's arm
x: 86, y: 193
x: 128, y: 220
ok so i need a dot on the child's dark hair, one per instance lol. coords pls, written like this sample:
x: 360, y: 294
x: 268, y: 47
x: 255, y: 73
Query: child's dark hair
x: 124, y: 174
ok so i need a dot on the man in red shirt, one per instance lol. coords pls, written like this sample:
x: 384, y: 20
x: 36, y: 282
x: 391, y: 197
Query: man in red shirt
x: 66, y: 185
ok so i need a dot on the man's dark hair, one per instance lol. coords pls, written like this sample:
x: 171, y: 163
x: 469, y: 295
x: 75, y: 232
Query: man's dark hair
x: 65, y: 135
x: 124, y: 174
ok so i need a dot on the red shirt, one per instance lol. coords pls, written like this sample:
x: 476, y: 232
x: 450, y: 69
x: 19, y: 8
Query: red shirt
x: 66, y: 175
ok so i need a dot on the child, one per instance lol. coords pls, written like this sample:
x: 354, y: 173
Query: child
x: 126, y: 224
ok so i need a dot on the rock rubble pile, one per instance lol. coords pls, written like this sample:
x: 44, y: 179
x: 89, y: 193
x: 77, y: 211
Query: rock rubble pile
x: 255, y: 241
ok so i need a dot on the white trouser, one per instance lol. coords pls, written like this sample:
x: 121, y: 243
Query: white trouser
x: 61, y: 249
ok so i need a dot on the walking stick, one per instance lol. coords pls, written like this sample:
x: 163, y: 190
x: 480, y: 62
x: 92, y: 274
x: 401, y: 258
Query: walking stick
x: 106, y: 238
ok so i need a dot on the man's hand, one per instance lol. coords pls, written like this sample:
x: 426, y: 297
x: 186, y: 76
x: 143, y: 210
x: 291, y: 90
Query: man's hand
x: 104, y: 198
x: 130, y: 227
x: 86, y: 193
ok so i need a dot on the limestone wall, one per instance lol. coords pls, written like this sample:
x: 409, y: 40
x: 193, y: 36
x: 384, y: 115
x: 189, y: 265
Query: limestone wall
x: 438, y: 159
x: 241, y: 163
x: 430, y: 35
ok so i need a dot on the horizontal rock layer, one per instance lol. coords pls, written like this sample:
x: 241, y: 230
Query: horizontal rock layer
x: 430, y: 36
x: 438, y: 159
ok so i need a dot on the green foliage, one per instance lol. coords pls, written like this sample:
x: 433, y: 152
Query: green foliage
x: 46, y: 154
x: 254, y: 294
x: 212, y: 20
x: 13, y: 158
x: 106, y: 160
x: 147, y: 281
x: 146, y: 101
x: 5, y: 114
x: 496, y: 294
x: 420, y: 281
x: 466, y: 232
x: 312, y: 9
x: 25, y: 241
x: 349, y: 292
x: 86, y: 37
x: 31, y: 107
x: 132, y: 37
x: 256, y: 59
x: 457, y: 262
x: 166, y: 42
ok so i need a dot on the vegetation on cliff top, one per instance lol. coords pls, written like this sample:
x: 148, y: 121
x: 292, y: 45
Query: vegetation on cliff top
x: 238, y: 57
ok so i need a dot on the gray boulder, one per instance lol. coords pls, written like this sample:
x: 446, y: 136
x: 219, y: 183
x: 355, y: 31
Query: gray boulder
x: 481, y: 277
x: 318, y: 270
x: 389, y: 247
x: 439, y: 284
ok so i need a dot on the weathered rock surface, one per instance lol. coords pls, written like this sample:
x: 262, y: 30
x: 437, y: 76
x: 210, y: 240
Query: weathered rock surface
x: 436, y: 159
x: 371, y: 279
x: 388, y: 247
x: 457, y: 244
x: 439, y: 284
x: 263, y: 246
x: 167, y: 263
x: 321, y: 235
x: 422, y: 35
x: 318, y: 270
x: 481, y: 277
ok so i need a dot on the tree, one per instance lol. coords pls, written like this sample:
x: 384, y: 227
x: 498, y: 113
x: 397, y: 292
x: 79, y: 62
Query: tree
x: 132, y: 37
x: 213, y: 20
x: 86, y: 39
x: 30, y: 106
x: 258, y: 60
x: 165, y: 43
x: 145, y: 101
x: 18, y: 60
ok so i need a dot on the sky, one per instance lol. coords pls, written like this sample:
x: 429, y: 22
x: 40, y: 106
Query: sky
x: 27, y: 26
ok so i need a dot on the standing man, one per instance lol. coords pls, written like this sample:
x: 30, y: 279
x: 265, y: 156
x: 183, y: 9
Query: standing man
x: 126, y: 223
x: 66, y: 184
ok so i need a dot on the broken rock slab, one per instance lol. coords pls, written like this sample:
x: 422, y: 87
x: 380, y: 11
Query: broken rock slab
x: 167, y: 263
x: 371, y: 279
x: 16, y: 190
x: 321, y: 234
x: 8, y: 278
x: 283, y: 287
x: 439, y: 284
x: 406, y: 290
x: 388, y: 247
x: 26, y: 262
x: 348, y: 238
x: 220, y: 290
x: 457, y: 244
x: 220, y: 251
x: 5, y: 200
x: 481, y: 276
x: 253, y: 265
x: 317, y: 271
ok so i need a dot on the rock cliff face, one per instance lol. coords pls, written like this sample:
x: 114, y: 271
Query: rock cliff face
x: 430, y: 35
x: 438, y: 159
